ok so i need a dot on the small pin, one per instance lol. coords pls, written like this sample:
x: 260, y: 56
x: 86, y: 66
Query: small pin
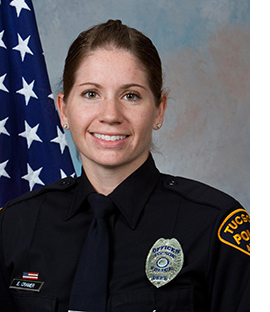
x: 30, y: 275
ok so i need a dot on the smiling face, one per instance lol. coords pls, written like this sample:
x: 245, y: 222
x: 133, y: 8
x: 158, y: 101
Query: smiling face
x: 111, y: 111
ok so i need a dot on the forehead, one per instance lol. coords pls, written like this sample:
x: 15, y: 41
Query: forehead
x: 112, y: 63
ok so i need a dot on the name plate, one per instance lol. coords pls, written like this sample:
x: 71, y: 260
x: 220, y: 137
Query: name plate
x: 26, y: 285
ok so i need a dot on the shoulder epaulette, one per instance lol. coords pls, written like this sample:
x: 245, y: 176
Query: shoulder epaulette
x: 199, y: 192
x: 59, y: 185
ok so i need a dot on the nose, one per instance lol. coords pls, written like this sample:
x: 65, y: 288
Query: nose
x: 111, y: 112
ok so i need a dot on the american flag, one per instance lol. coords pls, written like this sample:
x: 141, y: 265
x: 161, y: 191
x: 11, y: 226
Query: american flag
x: 29, y: 275
x: 33, y: 147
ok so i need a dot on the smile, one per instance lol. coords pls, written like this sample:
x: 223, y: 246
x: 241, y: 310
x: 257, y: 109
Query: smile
x: 108, y: 137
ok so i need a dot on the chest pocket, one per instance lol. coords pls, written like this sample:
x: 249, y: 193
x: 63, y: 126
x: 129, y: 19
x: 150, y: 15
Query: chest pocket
x: 178, y: 299
x: 30, y: 302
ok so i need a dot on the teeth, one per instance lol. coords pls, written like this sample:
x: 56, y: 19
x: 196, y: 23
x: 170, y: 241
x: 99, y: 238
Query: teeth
x: 109, y: 138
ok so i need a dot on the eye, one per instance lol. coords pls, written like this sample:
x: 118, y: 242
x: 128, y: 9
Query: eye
x: 131, y: 97
x: 90, y: 94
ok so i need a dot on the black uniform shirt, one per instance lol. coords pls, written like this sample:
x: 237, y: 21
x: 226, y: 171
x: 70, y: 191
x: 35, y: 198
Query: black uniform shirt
x: 43, y: 232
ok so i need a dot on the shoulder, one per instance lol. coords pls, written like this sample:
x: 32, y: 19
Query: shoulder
x: 19, y: 217
x: 21, y: 214
x: 199, y: 192
x: 57, y: 187
x: 232, y: 222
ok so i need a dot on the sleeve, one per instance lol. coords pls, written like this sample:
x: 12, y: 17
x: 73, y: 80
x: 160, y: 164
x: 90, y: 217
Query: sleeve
x: 230, y: 267
x: 6, y: 299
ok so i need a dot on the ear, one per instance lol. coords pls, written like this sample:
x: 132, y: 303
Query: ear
x: 160, y: 112
x: 62, y: 108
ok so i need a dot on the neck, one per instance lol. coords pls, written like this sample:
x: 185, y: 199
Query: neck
x: 106, y: 179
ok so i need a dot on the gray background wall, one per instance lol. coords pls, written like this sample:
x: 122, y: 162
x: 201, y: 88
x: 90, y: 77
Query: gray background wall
x: 204, y: 47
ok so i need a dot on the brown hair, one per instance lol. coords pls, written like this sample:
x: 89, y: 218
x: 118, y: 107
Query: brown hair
x: 114, y: 34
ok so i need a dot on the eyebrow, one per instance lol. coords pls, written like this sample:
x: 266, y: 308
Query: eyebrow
x: 90, y: 83
x: 126, y: 86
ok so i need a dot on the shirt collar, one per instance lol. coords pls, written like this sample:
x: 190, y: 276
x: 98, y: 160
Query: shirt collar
x: 82, y: 190
x: 133, y: 193
x: 130, y: 196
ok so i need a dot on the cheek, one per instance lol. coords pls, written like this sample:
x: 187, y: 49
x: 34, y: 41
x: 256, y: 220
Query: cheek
x: 145, y: 122
x: 77, y: 118
x: 150, y: 116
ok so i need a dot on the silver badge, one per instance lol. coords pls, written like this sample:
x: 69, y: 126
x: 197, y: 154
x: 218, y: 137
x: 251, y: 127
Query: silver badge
x: 164, y: 261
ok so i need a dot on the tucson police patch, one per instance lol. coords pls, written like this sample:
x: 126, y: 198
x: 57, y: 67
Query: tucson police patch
x: 234, y: 230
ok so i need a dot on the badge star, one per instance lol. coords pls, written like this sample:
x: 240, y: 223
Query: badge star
x: 33, y: 177
x: 30, y: 134
x: 3, y: 172
x: 1, y: 40
x: 2, y: 86
x: 27, y: 91
x: 61, y: 139
x: 19, y: 5
x: 22, y: 47
x: 2, y: 126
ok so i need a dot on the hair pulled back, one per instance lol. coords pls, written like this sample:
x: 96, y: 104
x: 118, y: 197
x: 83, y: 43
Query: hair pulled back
x: 113, y: 34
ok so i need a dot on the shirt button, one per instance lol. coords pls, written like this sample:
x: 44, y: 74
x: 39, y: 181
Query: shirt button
x: 172, y: 183
x: 65, y: 183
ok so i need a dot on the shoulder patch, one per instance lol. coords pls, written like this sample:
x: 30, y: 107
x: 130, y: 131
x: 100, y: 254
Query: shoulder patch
x: 235, y: 230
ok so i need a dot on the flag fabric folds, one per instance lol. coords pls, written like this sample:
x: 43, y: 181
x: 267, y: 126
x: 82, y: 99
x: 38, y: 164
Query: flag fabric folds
x: 33, y: 147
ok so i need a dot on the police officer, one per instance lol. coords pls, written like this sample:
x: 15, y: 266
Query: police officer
x: 172, y: 244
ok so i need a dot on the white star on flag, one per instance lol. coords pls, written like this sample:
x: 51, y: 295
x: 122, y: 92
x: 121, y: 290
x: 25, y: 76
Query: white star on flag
x: 22, y: 47
x: 30, y: 134
x: 33, y: 177
x: 63, y: 175
x: 61, y: 139
x: 27, y: 91
x: 2, y: 126
x: 3, y: 172
x: 2, y: 87
x: 1, y: 40
x: 19, y: 5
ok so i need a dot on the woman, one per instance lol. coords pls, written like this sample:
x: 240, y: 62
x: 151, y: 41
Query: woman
x: 173, y: 245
